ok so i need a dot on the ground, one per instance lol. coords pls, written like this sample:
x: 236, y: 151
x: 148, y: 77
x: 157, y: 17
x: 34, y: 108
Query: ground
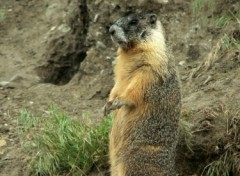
x: 59, y: 52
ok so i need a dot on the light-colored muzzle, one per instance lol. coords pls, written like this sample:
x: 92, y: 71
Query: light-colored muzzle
x: 118, y: 35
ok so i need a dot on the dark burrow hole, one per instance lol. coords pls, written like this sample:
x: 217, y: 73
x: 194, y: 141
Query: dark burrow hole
x: 62, y: 71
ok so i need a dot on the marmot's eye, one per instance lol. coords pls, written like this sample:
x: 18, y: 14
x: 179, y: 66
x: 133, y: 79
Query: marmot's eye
x: 133, y: 22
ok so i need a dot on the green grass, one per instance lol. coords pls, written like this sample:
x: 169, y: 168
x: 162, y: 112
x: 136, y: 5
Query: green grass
x: 62, y: 145
x: 205, y: 12
x: 185, y: 128
x: 213, y: 16
x: 222, y: 21
x: 2, y: 14
x: 230, y: 42
x: 199, y: 5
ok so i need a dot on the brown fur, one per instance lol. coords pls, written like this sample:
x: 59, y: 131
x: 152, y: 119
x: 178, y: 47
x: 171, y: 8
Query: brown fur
x: 141, y: 100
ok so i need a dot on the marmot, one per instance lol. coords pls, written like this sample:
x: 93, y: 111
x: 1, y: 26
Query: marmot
x: 146, y: 97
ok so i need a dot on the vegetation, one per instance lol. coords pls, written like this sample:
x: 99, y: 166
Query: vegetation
x: 199, y: 5
x: 2, y: 14
x: 227, y: 162
x: 225, y: 165
x: 60, y: 144
x: 223, y: 20
x: 185, y: 131
x: 215, y: 16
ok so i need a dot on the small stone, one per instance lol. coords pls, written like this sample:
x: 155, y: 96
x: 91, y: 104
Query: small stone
x: 184, y: 78
x: 95, y: 18
x: 4, y: 83
x: 100, y: 45
x: 64, y: 28
x: 3, y: 142
x: 53, y: 28
x: 161, y: 1
x: 181, y: 63
x: 7, y: 84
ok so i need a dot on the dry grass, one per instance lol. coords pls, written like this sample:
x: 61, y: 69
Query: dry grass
x: 226, y: 161
x: 226, y: 22
x: 207, y: 62
x: 213, y: 138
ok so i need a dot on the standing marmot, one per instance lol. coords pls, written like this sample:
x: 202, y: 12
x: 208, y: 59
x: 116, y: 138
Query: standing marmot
x: 146, y: 98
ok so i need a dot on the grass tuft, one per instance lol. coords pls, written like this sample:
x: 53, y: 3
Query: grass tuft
x: 2, y: 14
x: 203, y: 5
x: 185, y: 128
x: 228, y: 161
x: 222, y: 21
x: 225, y: 165
x: 63, y: 145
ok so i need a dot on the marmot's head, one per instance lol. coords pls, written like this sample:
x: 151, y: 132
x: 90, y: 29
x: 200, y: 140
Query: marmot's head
x: 134, y: 29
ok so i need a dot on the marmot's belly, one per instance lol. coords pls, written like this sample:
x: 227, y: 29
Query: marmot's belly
x: 144, y: 130
x: 140, y: 150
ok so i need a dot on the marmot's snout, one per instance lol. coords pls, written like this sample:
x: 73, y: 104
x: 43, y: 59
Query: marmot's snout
x: 118, y: 35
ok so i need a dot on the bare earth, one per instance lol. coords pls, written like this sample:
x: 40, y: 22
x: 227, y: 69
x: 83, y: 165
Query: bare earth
x: 59, y: 52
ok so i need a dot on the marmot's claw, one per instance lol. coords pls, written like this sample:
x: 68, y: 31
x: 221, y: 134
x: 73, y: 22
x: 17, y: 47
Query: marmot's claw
x: 107, y: 108
x: 116, y: 104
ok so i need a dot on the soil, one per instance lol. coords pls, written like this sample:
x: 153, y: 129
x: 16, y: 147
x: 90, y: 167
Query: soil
x: 59, y: 52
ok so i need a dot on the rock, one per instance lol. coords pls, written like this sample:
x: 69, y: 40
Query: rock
x: 182, y: 63
x: 100, y: 44
x: 3, y: 142
x: 4, y: 83
x: 7, y: 84
x: 64, y: 28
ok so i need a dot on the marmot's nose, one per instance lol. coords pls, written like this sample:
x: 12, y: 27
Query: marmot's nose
x: 112, y: 29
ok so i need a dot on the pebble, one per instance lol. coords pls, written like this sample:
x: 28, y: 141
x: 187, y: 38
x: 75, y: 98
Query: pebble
x: 4, y: 83
x: 7, y: 84
x: 100, y: 45
x: 3, y: 142
x: 53, y: 28
x: 182, y: 63
x: 95, y: 18
x: 64, y: 28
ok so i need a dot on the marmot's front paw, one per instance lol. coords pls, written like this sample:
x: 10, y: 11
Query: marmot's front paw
x: 109, y: 106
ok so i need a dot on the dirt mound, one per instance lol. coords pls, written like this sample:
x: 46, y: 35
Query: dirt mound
x: 60, y: 53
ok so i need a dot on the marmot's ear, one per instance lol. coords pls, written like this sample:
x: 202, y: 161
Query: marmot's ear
x: 153, y: 18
